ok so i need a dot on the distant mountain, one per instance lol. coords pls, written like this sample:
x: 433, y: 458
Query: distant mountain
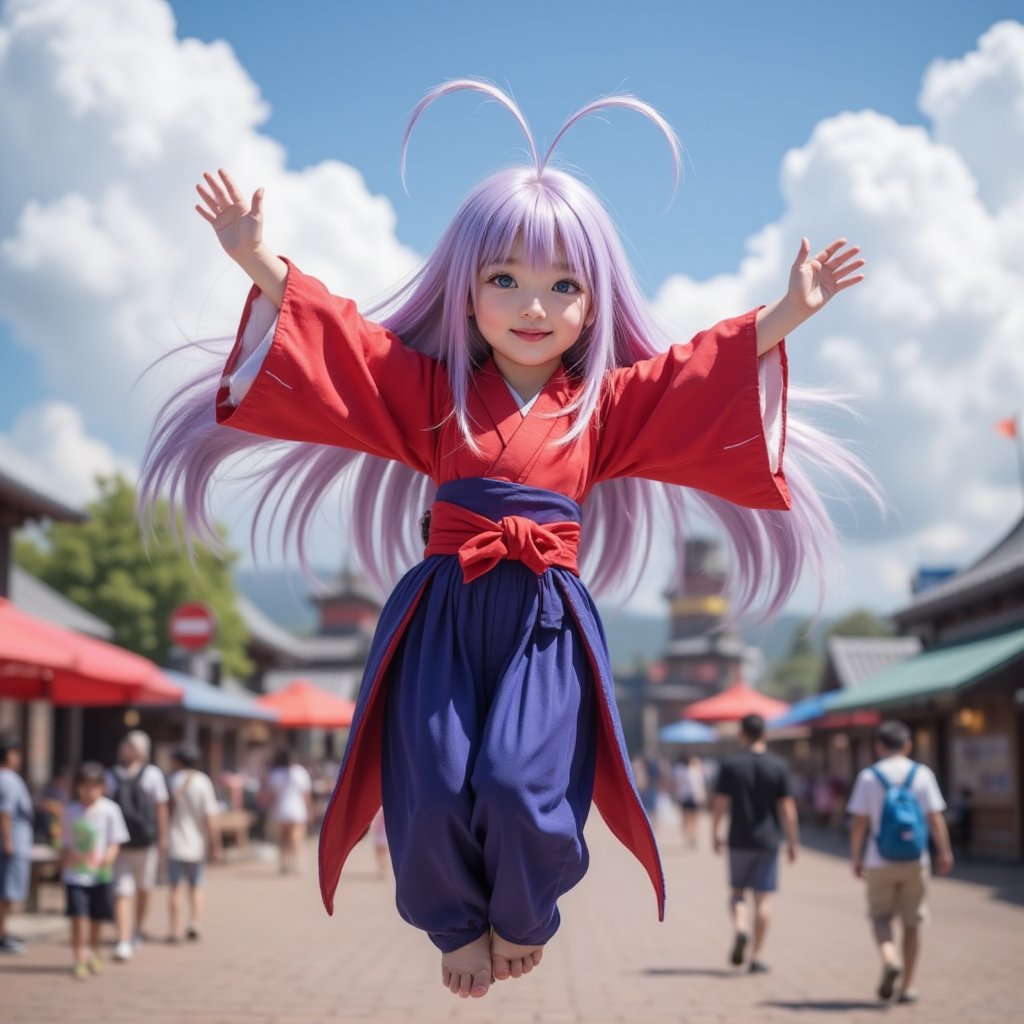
x: 284, y: 596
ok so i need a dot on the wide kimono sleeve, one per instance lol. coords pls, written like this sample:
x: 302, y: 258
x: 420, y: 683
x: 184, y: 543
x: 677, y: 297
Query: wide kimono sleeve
x: 708, y: 414
x: 321, y: 373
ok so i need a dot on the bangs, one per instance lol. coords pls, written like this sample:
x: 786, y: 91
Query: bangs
x: 538, y: 216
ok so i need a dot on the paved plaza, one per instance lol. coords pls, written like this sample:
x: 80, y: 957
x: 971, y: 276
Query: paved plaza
x: 270, y: 955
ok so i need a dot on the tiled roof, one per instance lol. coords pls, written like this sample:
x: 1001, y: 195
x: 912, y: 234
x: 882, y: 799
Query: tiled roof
x: 29, y: 501
x: 1000, y: 567
x: 856, y: 658
x: 35, y: 597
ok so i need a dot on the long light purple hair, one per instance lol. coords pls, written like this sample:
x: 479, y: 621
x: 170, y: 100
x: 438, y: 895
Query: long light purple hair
x: 551, y: 212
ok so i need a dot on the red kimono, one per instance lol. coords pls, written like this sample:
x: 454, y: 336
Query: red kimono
x: 691, y: 416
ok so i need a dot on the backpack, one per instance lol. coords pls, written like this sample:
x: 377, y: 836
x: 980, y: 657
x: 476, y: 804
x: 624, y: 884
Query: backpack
x: 902, y: 830
x: 139, y: 812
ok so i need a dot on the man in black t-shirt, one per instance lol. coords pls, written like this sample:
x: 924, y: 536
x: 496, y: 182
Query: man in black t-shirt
x: 754, y: 789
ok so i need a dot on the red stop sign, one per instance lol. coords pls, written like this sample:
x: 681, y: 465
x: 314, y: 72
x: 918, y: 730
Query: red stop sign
x: 192, y: 626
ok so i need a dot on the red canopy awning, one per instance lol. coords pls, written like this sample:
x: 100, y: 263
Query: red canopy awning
x: 735, y: 703
x: 41, y: 661
x: 301, y: 705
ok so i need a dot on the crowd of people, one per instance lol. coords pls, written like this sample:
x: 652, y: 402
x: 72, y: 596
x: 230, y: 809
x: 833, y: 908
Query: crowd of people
x: 113, y: 830
x: 114, y: 827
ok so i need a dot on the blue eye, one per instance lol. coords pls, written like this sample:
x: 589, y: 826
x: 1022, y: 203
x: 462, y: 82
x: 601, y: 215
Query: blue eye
x: 503, y: 280
x: 566, y: 287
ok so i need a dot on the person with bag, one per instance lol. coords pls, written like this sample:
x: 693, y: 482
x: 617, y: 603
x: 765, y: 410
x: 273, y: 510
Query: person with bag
x: 193, y: 835
x: 138, y: 787
x: 896, y: 804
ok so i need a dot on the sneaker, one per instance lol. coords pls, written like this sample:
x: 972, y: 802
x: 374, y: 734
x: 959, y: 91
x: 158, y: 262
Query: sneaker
x: 887, y: 985
x: 95, y: 963
x: 80, y: 972
x: 193, y: 934
x: 908, y: 995
x: 739, y: 947
x: 758, y: 967
x: 12, y: 946
x: 124, y: 951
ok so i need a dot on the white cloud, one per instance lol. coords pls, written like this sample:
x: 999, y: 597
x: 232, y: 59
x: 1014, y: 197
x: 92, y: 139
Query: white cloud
x: 933, y: 342
x: 49, y: 448
x: 107, y: 120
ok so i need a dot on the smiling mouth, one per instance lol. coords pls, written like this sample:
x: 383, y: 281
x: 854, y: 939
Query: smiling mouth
x: 531, y: 335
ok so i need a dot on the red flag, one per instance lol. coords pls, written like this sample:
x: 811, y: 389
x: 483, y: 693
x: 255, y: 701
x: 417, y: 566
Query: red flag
x: 1007, y: 427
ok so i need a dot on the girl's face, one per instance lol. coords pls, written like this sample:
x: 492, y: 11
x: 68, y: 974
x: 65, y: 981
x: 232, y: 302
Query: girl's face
x: 529, y: 316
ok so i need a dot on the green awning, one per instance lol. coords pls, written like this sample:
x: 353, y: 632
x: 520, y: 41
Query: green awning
x: 934, y: 673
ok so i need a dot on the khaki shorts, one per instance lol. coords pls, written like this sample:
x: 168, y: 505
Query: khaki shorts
x: 135, y: 870
x: 898, y: 890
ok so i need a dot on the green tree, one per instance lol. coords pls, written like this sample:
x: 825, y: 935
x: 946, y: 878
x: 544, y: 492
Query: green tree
x: 861, y: 623
x: 104, y: 566
x: 798, y: 674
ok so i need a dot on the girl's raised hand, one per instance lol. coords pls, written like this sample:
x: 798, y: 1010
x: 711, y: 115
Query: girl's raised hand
x: 812, y: 282
x: 238, y: 224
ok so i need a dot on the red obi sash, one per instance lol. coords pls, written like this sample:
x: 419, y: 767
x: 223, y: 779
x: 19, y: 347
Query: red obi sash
x: 482, y: 543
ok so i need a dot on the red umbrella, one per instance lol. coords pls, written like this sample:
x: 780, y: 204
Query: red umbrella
x: 733, y: 704
x: 40, y: 661
x: 301, y: 705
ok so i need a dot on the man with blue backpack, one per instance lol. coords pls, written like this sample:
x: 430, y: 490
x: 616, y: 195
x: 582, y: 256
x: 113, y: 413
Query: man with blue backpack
x: 896, y: 805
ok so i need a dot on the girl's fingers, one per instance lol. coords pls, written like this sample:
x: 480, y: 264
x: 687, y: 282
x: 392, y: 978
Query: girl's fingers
x: 843, y: 258
x: 233, y: 192
x: 216, y: 189
x: 257, y: 203
x: 849, y: 283
x: 830, y: 250
x: 208, y: 199
x: 208, y: 217
x: 846, y: 271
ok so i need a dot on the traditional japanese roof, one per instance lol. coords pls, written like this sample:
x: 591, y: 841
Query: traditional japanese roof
x: 265, y: 633
x: 348, y: 585
x: 942, y: 670
x: 25, y: 500
x: 35, y: 597
x: 855, y: 659
x: 997, y: 570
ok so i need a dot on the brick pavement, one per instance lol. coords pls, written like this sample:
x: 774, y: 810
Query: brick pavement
x: 271, y: 956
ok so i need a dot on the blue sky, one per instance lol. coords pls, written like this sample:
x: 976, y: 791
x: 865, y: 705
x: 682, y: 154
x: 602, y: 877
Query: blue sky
x: 796, y: 117
x: 742, y: 82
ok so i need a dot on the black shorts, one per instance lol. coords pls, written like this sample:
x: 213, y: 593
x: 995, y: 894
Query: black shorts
x: 95, y: 902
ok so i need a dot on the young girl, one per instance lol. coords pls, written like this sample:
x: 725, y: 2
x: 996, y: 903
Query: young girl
x: 519, y: 388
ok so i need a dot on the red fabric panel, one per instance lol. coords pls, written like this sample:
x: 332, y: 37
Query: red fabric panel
x: 332, y: 377
x: 692, y: 416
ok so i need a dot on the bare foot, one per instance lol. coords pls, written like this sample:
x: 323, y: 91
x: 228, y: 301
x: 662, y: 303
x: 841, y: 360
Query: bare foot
x: 511, y: 961
x: 466, y: 971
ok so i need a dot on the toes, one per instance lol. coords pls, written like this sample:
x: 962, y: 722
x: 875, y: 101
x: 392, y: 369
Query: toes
x: 481, y: 983
x: 516, y: 967
x: 537, y: 955
x: 501, y: 967
x: 446, y: 976
x: 465, y: 985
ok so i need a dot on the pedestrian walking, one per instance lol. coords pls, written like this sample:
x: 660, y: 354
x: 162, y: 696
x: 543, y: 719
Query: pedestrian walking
x: 94, y: 830
x: 896, y: 804
x: 192, y: 836
x: 691, y: 793
x: 755, y: 790
x: 139, y: 788
x: 16, y: 829
x: 291, y: 791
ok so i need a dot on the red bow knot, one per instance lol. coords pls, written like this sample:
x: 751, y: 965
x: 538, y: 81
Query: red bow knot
x: 482, y: 543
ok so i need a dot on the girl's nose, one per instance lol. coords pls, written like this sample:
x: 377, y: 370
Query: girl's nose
x: 534, y: 309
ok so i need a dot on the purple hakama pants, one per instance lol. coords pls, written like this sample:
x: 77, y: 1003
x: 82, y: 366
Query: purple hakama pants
x: 489, y: 742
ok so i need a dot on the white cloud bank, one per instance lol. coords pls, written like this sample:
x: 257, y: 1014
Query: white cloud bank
x: 107, y: 117
x: 932, y: 343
